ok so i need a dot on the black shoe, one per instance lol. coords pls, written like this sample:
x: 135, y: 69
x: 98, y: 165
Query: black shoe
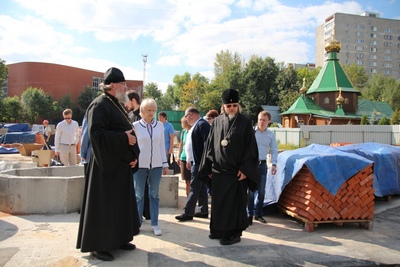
x: 250, y: 220
x: 212, y: 236
x: 183, y: 217
x: 260, y: 219
x: 200, y: 215
x: 229, y: 241
x: 102, y: 255
x: 127, y: 246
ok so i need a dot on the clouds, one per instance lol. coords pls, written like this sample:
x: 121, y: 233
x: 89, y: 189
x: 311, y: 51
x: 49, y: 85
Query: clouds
x: 178, y: 35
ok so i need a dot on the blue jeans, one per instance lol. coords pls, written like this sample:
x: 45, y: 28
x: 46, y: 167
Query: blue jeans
x: 198, y: 192
x: 262, y: 179
x: 139, y: 180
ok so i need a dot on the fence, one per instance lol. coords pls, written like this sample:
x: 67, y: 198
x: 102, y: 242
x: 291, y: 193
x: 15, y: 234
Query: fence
x: 325, y: 135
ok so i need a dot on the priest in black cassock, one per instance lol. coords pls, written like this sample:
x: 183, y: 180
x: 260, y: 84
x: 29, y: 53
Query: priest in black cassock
x: 230, y: 160
x: 109, y: 217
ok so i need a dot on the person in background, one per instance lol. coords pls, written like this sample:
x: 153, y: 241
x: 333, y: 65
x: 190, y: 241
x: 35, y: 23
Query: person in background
x: 133, y: 108
x: 66, y: 138
x: 46, y: 134
x: 266, y: 141
x: 86, y: 147
x: 133, y: 105
x: 230, y: 160
x: 109, y: 218
x: 211, y: 115
x: 168, y: 135
x: 185, y: 172
x: 196, y: 139
x: 152, y: 160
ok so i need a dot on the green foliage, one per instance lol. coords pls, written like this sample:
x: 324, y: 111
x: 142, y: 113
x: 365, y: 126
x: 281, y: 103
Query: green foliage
x: 382, y: 88
x: 356, y: 75
x: 86, y: 97
x: 384, y: 121
x: 310, y: 75
x: 12, y: 109
x: 3, y: 74
x: 395, y: 119
x: 36, y: 104
x: 151, y: 91
x: 364, y: 120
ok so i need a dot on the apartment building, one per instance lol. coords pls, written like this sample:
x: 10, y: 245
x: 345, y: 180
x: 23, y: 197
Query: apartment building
x: 367, y: 40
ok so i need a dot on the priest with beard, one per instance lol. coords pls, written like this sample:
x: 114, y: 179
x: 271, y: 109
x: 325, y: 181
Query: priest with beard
x: 109, y: 217
x: 230, y: 161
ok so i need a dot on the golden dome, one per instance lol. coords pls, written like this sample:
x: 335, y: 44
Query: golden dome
x: 333, y: 46
x: 340, y: 98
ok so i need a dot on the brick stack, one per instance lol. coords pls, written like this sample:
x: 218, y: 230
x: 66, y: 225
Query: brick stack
x: 311, y: 202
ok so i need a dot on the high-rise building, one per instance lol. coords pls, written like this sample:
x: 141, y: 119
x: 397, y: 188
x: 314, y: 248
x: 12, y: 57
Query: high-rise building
x: 367, y: 40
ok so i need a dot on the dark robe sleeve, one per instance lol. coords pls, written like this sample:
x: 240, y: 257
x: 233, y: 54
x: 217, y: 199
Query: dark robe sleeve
x: 108, y: 133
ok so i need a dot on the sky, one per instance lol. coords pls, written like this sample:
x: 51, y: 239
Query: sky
x: 177, y: 36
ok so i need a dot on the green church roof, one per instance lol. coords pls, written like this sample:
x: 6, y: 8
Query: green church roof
x: 331, y: 77
x: 367, y: 107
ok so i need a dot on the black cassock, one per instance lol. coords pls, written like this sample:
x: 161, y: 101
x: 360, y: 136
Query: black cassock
x: 229, y: 196
x: 109, y: 216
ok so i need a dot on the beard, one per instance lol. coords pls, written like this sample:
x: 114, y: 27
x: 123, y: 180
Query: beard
x: 231, y: 116
x: 121, y: 96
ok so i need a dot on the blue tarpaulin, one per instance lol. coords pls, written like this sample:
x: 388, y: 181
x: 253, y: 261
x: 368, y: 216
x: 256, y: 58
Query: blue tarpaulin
x: 386, y: 160
x: 329, y: 166
x: 18, y: 137
x: 8, y: 150
x: 17, y: 127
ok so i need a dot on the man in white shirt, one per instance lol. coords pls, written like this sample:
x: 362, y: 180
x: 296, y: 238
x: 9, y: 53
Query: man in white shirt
x: 66, y: 139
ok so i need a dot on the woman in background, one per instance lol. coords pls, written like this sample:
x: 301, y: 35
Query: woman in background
x: 185, y: 172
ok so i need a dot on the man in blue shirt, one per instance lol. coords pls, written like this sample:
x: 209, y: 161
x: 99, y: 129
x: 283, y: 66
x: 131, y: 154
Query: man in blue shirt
x: 168, y: 135
x: 266, y: 142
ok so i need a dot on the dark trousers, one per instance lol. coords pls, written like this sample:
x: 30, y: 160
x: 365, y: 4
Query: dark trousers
x: 198, y: 192
x: 146, y: 208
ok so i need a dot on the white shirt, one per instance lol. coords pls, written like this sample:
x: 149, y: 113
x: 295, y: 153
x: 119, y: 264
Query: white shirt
x: 66, y: 133
x: 188, y: 145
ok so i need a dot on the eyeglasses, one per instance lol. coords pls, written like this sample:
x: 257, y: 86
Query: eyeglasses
x: 232, y: 105
x: 68, y: 118
x: 187, y: 114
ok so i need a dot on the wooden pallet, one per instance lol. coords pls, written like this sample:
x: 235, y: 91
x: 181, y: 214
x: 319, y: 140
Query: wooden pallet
x: 307, y: 200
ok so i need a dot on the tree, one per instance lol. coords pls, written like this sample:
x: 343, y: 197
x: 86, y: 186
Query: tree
x: 309, y: 74
x: 288, y: 86
x: 152, y: 91
x: 36, y: 104
x: 12, y: 109
x: 3, y: 73
x: 364, y: 120
x: 86, y: 97
x: 384, y: 121
x: 356, y: 75
x: 383, y: 88
x: 395, y: 119
x: 259, y: 85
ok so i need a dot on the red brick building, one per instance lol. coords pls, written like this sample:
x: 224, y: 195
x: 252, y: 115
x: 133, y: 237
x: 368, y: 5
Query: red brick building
x: 56, y: 80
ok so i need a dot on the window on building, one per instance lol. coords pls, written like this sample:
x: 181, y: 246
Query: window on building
x: 373, y: 63
x: 388, y: 37
x: 388, y: 51
x: 359, y: 55
x: 359, y: 62
x: 388, y: 30
x: 359, y: 27
x: 348, y: 47
x: 374, y: 35
x: 387, y: 58
x: 373, y: 71
x: 328, y: 26
x: 387, y: 44
x: 326, y: 100
x: 347, y: 54
x: 96, y: 81
x: 346, y: 100
x: 387, y: 65
x: 387, y: 72
x: 359, y: 48
x: 373, y: 49
x: 359, y: 34
x: 374, y: 29
x: 373, y: 42
x: 359, y: 41
x: 373, y: 56
x: 347, y: 25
